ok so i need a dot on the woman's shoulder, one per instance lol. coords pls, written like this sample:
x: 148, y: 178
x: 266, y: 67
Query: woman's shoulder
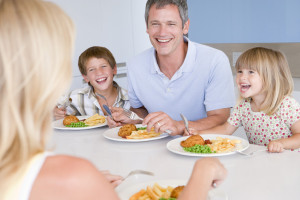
x: 70, y: 178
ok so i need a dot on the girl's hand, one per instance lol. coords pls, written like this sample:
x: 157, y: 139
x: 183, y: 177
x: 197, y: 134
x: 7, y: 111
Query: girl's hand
x: 114, y: 180
x: 275, y: 146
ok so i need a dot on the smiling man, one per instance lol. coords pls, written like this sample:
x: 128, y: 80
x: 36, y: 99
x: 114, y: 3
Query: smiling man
x: 177, y: 75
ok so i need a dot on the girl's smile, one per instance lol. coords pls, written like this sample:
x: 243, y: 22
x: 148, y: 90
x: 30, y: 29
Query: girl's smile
x: 249, y: 83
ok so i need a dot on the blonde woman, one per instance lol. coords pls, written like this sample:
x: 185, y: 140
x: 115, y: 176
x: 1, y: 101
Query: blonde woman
x: 268, y: 113
x: 36, y: 41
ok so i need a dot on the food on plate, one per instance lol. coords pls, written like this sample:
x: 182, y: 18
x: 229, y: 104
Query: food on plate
x: 192, y: 141
x: 176, y: 191
x: 70, y: 119
x: 156, y: 192
x: 199, y: 149
x: 126, y: 130
x: 196, y: 144
x: 77, y: 125
x: 222, y: 145
x: 94, y: 120
x: 143, y: 134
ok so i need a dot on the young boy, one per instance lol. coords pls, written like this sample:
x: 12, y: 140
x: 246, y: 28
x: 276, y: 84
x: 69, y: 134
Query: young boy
x: 98, y: 67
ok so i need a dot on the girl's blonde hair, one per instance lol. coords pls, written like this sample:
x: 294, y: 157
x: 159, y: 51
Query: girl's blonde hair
x: 274, y: 70
x: 36, y: 44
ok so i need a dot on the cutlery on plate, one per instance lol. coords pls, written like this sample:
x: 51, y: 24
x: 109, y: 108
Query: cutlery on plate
x: 138, y: 171
x: 105, y: 106
x: 186, y: 123
x: 128, y: 113
x: 131, y: 115
x: 251, y: 153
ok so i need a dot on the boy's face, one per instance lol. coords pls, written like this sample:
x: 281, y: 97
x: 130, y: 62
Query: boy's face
x: 165, y: 29
x: 99, y: 74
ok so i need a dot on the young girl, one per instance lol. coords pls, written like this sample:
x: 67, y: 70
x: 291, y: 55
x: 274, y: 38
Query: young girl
x: 268, y: 113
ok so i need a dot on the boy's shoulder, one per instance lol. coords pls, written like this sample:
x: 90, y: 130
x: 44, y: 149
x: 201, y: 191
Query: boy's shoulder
x: 83, y: 90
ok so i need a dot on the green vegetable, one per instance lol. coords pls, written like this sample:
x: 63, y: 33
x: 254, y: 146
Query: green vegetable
x: 199, y: 149
x: 141, y: 128
x: 167, y: 199
x: 77, y: 125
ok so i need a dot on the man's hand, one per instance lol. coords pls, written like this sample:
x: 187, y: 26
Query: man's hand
x: 162, y: 122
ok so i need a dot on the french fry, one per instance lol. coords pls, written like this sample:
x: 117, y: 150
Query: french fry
x: 137, y: 195
x: 94, y: 120
x: 221, y: 145
x: 142, y: 134
x: 153, y: 193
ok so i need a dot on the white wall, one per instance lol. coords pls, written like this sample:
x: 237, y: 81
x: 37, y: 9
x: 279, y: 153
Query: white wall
x: 118, y: 25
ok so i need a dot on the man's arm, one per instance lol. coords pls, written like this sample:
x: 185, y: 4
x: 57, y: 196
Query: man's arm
x: 214, y: 118
x: 141, y: 111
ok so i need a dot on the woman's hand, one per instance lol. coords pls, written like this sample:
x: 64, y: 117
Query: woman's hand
x: 114, y: 180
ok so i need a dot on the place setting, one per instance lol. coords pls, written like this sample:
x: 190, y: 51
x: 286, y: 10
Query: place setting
x: 76, y: 123
x: 133, y: 133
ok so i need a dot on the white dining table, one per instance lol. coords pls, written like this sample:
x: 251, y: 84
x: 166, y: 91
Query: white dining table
x: 264, y: 175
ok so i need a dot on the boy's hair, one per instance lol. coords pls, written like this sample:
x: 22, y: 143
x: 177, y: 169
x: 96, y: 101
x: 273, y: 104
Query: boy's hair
x: 274, y: 71
x: 181, y: 5
x: 95, y: 52
x: 36, y: 47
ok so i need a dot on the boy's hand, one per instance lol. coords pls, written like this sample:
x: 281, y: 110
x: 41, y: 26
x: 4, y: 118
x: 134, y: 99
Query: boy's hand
x: 59, y: 113
x: 119, y: 118
x: 275, y: 146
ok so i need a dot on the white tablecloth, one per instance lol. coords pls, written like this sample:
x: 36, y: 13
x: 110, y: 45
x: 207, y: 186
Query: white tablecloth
x: 262, y: 176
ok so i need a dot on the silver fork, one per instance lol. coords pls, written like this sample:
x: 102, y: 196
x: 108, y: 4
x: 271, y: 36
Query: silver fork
x: 138, y: 171
x: 186, y: 123
x: 251, y: 153
x: 131, y: 115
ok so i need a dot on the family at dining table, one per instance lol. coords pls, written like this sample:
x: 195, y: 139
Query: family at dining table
x: 175, y: 76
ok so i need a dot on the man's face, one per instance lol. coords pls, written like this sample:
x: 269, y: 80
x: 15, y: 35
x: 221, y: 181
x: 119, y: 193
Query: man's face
x: 165, y: 29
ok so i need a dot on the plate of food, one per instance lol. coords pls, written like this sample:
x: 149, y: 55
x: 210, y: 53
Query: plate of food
x: 162, y: 189
x: 207, y: 145
x: 72, y: 122
x: 133, y: 133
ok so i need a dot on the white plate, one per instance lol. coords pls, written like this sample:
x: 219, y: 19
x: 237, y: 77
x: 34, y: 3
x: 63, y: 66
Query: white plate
x: 175, y: 147
x: 127, y: 192
x: 112, y: 134
x: 58, y: 124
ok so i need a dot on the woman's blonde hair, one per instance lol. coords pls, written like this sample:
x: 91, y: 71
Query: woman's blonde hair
x: 274, y: 71
x: 36, y: 46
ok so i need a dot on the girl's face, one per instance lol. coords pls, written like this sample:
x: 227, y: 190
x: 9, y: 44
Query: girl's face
x: 99, y: 74
x: 249, y: 83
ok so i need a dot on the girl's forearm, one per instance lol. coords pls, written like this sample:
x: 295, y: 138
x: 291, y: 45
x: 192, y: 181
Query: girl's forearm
x: 292, y: 142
